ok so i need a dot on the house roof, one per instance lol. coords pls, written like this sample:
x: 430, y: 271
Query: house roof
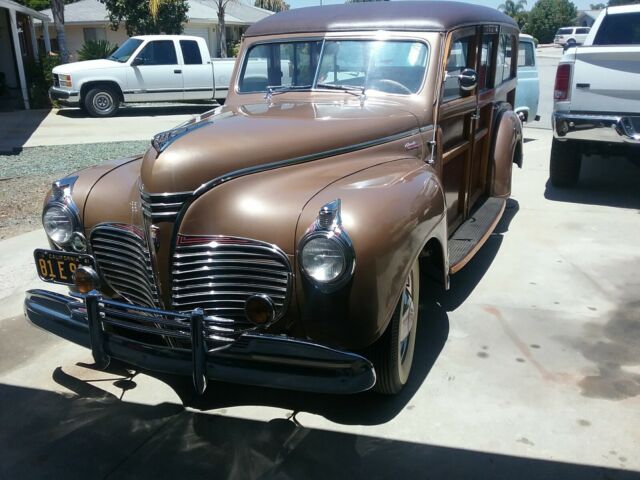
x: 26, y: 10
x: 200, y: 11
x: 407, y: 16
x: 589, y: 13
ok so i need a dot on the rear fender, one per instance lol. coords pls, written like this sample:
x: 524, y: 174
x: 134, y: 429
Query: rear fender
x: 506, y: 149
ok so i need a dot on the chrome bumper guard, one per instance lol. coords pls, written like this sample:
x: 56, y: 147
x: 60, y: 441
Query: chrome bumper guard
x: 67, y: 97
x: 599, y: 128
x: 192, y: 344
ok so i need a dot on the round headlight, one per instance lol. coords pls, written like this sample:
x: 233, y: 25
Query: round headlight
x: 323, y: 259
x: 58, y: 223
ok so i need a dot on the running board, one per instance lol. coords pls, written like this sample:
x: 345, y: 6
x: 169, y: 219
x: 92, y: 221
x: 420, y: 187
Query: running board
x: 471, y: 235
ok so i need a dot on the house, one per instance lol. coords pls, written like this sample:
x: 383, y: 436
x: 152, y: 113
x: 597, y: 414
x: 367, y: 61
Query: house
x: 586, y: 18
x: 18, y: 48
x: 89, y: 20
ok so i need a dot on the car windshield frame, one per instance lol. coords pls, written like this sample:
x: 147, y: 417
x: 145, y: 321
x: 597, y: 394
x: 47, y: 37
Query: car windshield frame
x: 317, y: 85
x: 125, y: 47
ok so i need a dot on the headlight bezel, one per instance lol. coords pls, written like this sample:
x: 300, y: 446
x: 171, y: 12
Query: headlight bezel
x: 68, y: 213
x: 328, y: 226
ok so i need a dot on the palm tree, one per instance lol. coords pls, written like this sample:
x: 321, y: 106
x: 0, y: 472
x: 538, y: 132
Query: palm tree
x: 57, y: 10
x: 273, y: 5
x: 513, y: 8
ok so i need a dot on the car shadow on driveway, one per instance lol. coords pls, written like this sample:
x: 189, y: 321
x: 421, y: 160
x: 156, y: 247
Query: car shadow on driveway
x: 90, y: 434
x: 603, y: 181
x: 145, y: 110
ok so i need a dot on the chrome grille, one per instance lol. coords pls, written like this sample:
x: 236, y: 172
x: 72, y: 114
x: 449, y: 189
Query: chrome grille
x: 163, y: 207
x: 124, y: 262
x: 218, y: 274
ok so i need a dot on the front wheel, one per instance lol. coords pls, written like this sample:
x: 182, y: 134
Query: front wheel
x: 102, y: 102
x: 564, y: 167
x: 393, y: 353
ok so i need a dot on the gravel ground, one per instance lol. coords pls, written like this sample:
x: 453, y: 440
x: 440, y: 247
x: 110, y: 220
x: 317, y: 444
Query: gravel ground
x: 26, y: 177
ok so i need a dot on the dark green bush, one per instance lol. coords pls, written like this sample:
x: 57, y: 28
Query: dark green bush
x: 96, y: 49
x: 39, y: 79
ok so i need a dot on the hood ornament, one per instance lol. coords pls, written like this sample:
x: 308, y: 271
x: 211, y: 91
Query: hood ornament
x: 163, y: 139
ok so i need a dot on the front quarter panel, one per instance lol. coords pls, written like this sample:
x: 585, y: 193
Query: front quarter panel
x: 389, y: 211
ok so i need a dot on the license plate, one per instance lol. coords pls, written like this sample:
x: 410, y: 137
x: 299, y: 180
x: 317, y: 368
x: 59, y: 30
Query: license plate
x: 58, y: 267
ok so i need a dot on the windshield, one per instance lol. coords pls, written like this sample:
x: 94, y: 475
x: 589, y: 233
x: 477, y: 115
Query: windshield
x: 388, y: 66
x: 123, y: 53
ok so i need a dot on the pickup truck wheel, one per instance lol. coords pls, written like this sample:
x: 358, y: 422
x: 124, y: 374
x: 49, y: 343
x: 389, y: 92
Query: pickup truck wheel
x: 101, y: 102
x: 564, y: 168
x: 392, y: 355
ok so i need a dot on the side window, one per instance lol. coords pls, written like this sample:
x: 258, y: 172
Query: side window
x: 159, y: 52
x: 190, y: 52
x: 460, y: 57
x: 581, y: 31
x: 485, y: 69
x: 525, y: 55
x: 504, y: 64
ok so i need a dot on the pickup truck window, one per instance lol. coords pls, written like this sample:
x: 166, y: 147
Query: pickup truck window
x: 159, y: 52
x: 123, y: 53
x: 388, y: 66
x: 619, y: 29
x: 190, y: 52
x: 525, y: 55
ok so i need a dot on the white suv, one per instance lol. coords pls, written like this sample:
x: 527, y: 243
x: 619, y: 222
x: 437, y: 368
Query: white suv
x: 571, y: 36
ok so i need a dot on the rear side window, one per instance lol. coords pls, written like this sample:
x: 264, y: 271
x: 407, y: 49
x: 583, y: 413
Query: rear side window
x: 525, y: 55
x: 581, y: 31
x: 159, y: 52
x: 565, y: 31
x: 619, y: 29
x: 190, y: 52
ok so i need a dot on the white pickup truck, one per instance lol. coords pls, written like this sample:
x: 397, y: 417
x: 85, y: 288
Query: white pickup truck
x: 149, y: 68
x: 597, y: 95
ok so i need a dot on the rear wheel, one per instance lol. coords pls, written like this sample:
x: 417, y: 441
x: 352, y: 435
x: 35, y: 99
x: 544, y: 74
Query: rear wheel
x: 393, y: 353
x: 102, y: 102
x: 564, y: 167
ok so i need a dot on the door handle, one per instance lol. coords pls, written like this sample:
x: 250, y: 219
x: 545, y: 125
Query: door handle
x: 177, y: 71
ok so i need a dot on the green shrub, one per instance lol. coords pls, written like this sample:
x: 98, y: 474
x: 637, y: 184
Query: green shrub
x: 96, y: 49
x: 233, y: 49
x: 39, y: 79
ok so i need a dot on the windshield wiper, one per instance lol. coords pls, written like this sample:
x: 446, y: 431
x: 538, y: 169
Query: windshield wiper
x: 271, y: 89
x: 353, y: 90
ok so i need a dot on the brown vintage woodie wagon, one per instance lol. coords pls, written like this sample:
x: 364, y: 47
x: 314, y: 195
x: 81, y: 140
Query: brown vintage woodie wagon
x: 278, y: 240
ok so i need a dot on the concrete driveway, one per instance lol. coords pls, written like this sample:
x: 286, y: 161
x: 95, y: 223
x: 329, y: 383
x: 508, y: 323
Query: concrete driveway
x: 528, y: 367
x: 34, y: 128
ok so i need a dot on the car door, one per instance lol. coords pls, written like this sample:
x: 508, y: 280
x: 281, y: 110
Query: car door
x: 456, y: 122
x: 197, y: 73
x: 155, y: 74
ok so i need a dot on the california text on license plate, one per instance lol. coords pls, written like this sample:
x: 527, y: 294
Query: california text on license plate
x: 58, y: 267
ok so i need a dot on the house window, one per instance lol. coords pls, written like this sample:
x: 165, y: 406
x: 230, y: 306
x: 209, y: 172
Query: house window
x: 94, y: 34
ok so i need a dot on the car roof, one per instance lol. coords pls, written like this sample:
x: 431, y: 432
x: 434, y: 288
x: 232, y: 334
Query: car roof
x: 166, y: 37
x: 362, y: 16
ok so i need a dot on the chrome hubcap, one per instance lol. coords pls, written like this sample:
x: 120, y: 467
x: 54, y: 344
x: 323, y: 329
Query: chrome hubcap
x: 103, y: 101
x: 407, y: 316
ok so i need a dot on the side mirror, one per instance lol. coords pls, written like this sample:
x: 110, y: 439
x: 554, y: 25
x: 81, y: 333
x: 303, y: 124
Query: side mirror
x: 137, y: 61
x: 468, y: 79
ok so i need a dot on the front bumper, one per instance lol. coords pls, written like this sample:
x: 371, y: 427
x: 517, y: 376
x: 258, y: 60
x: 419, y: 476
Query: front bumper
x: 253, y: 358
x: 66, y: 97
x: 595, y: 127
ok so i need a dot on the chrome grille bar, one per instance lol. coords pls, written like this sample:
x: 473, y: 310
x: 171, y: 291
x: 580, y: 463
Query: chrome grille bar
x: 163, y: 207
x: 124, y: 262
x: 219, y: 273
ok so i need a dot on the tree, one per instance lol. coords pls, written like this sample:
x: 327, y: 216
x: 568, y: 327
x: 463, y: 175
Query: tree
x: 515, y: 9
x: 222, y: 26
x: 547, y: 16
x: 57, y: 11
x: 146, y: 18
x: 597, y: 6
x: 273, y: 5
x: 615, y: 3
x: 363, y: 1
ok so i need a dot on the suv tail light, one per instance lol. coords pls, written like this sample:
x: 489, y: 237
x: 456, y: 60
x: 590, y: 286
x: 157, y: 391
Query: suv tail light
x: 563, y: 79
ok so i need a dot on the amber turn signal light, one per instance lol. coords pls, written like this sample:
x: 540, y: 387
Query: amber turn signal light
x: 85, y: 279
x: 259, y: 309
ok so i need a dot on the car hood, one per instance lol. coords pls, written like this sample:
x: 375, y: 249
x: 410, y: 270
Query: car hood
x: 268, y: 135
x: 70, y: 68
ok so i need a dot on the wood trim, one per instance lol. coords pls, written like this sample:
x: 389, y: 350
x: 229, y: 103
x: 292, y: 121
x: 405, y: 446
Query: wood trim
x: 455, y: 151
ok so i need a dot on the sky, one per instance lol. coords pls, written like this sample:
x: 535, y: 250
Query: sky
x: 580, y: 4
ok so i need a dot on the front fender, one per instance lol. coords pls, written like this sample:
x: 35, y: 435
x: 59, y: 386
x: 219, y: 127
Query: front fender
x: 506, y: 140
x: 389, y: 211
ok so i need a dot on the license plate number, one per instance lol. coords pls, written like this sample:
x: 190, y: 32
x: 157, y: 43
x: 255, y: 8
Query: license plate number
x: 58, y: 267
